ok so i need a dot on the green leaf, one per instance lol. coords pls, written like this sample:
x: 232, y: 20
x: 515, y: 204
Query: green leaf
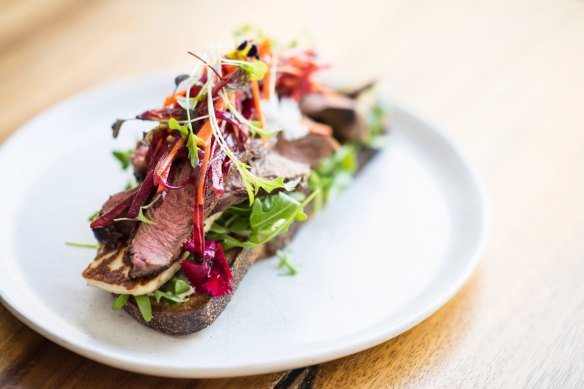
x: 93, y: 216
x: 143, y: 302
x: 159, y: 294
x: 141, y: 216
x: 284, y: 257
x: 188, y: 104
x: 124, y: 157
x: 267, y: 218
x: 192, y: 140
x: 256, y: 69
x: 193, y: 148
x: 83, y: 245
x: 333, y: 175
x: 254, y: 184
x: 173, y: 124
x: 268, y: 211
x: 120, y: 301
x: 181, y: 286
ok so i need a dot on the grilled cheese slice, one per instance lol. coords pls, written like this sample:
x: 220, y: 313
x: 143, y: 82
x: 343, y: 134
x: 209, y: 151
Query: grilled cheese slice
x: 108, y: 271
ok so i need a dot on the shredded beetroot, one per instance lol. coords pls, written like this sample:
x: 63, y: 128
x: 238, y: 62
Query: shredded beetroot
x: 142, y: 195
x: 212, y: 276
x: 108, y: 218
x: 238, y: 130
x: 161, y: 114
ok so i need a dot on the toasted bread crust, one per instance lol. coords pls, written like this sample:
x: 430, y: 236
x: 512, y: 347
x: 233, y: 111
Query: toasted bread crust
x: 200, y: 310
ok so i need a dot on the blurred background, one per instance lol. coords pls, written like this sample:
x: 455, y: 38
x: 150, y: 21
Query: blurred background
x: 504, y: 77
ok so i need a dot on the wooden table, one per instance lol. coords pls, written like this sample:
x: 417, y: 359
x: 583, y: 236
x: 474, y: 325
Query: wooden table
x: 505, y: 77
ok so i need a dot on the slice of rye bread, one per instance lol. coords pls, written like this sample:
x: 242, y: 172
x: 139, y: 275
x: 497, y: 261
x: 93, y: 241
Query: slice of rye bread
x: 200, y: 311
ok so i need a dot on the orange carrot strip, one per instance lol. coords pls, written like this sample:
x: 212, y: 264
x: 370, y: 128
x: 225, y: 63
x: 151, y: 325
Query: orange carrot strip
x: 255, y: 90
x: 169, y: 100
x: 265, y: 48
x: 267, y: 77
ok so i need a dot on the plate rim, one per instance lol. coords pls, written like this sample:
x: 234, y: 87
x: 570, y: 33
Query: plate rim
x: 324, y: 354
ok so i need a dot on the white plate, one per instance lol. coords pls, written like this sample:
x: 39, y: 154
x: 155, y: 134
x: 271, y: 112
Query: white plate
x: 393, y: 249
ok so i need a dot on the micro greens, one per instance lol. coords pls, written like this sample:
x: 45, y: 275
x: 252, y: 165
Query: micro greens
x: 185, y: 103
x: 141, y: 217
x: 172, y: 290
x: 193, y: 141
x: 83, y: 245
x: 284, y: 257
x: 259, y: 223
x: 124, y: 157
x: 143, y: 303
x: 256, y: 69
x: 333, y: 175
x: 159, y: 294
x: 377, y: 122
x: 253, y: 184
x: 120, y: 301
x: 93, y: 216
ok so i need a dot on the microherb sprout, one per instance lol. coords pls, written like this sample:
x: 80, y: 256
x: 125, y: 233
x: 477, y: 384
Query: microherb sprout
x: 193, y: 141
x: 124, y: 157
x: 143, y: 303
x: 141, y: 217
x: 259, y: 223
x: 83, y: 245
x: 256, y: 69
x: 120, y: 301
x: 284, y: 257
x: 93, y: 216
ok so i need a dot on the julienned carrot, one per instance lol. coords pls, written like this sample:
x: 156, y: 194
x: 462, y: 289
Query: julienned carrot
x: 255, y: 90
x: 265, y: 48
x: 266, y: 87
x: 169, y: 100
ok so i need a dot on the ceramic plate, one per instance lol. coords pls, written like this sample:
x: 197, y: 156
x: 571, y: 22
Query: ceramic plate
x: 387, y: 254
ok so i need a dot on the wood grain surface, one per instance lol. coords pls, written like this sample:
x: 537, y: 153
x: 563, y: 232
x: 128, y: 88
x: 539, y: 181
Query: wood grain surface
x: 505, y: 77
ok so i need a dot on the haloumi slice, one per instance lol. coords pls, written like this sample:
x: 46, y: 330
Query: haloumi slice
x: 109, y: 272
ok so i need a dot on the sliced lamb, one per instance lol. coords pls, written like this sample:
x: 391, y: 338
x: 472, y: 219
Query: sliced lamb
x: 139, y: 160
x: 311, y: 150
x: 117, y: 233
x: 339, y: 112
x: 156, y: 246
